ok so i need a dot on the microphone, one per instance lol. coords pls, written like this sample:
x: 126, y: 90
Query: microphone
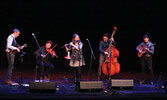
x: 87, y: 39
x: 33, y: 35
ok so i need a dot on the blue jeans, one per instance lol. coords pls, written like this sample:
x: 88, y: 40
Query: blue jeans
x: 10, y: 58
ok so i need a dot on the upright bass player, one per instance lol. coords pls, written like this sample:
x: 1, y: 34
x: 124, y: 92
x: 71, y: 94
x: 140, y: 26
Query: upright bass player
x: 103, y: 45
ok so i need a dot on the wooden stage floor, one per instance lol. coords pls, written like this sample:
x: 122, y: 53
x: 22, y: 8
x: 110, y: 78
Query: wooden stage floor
x: 65, y: 87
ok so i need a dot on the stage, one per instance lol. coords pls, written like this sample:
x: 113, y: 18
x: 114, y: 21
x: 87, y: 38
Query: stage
x: 65, y: 87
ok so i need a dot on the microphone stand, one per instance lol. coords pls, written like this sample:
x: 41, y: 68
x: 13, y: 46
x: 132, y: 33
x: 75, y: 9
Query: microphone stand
x: 79, y: 63
x: 42, y: 62
x: 21, y: 64
x: 92, y: 56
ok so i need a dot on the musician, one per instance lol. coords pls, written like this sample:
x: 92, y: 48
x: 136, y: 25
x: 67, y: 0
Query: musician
x: 103, y: 45
x: 146, y: 58
x: 11, y: 49
x: 44, y: 56
x: 77, y: 59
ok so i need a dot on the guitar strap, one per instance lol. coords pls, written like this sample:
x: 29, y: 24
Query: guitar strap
x: 14, y: 41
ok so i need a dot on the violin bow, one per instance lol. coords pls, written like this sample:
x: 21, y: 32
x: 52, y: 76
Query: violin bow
x: 52, y: 48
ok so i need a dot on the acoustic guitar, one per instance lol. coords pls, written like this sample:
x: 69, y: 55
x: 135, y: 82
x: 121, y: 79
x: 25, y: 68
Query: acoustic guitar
x: 143, y: 50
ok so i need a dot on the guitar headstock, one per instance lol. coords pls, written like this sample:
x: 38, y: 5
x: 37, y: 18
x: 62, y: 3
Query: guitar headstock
x: 25, y: 45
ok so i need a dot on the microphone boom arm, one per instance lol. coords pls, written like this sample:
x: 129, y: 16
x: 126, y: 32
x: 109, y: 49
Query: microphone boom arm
x: 91, y: 49
x: 37, y: 42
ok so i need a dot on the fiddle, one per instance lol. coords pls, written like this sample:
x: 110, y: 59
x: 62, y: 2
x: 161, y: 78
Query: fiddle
x: 52, y: 52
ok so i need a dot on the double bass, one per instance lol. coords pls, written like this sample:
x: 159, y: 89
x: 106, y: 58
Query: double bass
x: 110, y: 65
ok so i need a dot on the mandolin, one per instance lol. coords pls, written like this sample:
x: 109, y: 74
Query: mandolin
x: 15, y: 51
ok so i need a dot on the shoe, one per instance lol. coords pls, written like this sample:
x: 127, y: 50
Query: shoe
x: 40, y: 79
x: 66, y: 79
x: 151, y: 83
x: 98, y: 78
x: 142, y: 81
x: 14, y: 84
x: 46, y: 79
x: 8, y: 81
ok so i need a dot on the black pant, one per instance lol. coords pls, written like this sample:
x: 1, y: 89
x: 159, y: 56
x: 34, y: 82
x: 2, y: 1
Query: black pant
x: 45, y: 68
x: 146, y: 61
x: 66, y: 68
x: 77, y: 73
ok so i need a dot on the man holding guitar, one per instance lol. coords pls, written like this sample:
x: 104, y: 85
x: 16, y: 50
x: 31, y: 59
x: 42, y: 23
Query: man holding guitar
x: 11, y: 49
x: 145, y: 51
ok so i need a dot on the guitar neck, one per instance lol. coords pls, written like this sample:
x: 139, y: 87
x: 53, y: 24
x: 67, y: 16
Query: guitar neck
x: 109, y: 51
x: 22, y: 46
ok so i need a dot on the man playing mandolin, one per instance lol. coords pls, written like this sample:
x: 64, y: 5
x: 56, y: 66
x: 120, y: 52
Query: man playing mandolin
x: 11, y: 49
x: 145, y: 51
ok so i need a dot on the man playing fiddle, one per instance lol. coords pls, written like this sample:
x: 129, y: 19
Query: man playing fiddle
x: 44, y: 55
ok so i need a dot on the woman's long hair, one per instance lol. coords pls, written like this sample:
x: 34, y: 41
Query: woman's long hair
x: 75, y: 35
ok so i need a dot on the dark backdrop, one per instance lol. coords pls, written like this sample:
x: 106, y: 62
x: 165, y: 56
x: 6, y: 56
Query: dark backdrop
x: 58, y: 20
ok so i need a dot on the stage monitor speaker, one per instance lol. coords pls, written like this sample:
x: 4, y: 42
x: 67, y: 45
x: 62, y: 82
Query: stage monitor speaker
x: 122, y: 83
x: 89, y: 86
x: 42, y: 87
